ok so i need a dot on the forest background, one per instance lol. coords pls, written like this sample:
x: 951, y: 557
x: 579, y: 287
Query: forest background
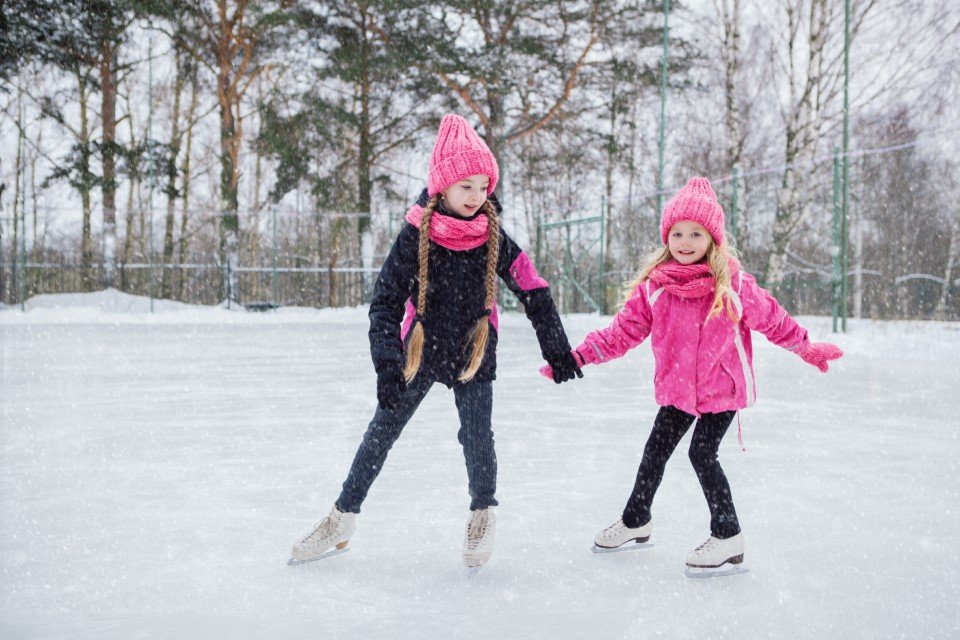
x: 264, y: 153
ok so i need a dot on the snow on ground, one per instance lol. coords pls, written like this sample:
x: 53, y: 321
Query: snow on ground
x: 155, y: 469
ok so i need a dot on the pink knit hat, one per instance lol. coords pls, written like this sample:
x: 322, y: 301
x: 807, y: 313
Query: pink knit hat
x: 695, y: 202
x: 459, y: 153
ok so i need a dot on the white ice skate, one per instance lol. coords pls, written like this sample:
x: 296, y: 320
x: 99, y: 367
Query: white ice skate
x: 329, y: 538
x: 478, y: 539
x: 620, y: 537
x: 716, y: 557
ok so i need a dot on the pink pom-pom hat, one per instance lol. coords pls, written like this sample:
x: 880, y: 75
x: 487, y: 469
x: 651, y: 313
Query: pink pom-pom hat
x: 459, y: 153
x: 695, y: 202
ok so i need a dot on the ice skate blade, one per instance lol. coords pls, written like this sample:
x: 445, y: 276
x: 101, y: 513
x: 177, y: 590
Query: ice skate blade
x: 624, y: 547
x: 722, y: 571
x: 292, y: 562
x: 476, y: 561
x: 473, y: 572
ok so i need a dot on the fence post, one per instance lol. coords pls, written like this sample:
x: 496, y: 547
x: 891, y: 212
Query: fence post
x: 663, y: 103
x: 23, y: 255
x: 835, y: 249
x: 273, y: 268
x: 150, y: 157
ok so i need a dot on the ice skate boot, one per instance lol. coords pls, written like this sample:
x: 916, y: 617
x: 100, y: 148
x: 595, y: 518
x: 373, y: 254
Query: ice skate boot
x: 329, y: 538
x: 478, y: 539
x: 620, y: 537
x: 716, y: 557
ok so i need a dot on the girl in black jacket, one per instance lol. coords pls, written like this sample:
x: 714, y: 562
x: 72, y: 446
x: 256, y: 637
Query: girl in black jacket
x: 433, y: 318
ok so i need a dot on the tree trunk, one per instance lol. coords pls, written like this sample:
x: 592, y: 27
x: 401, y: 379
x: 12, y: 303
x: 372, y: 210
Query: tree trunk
x: 86, y: 241
x: 133, y: 187
x: 35, y: 253
x: 364, y: 181
x: 940, y: 312
x: 229, y: 204
x: 612, y: 154
x: 231, y: 134
x: 17, y: 230
x: 802, y: 128
x: 495, y: 137
x: 730, y: 23
x: 858, y: 268
x: 783, y: 223
x: 730, y: 15
x: 108, y: 90
x: 3, y: 279
x: 187, y: 177
x: 171, y: 166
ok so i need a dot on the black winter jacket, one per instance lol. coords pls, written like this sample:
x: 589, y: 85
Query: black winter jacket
x: 455, y: 297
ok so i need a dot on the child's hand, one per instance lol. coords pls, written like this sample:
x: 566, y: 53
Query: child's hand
x: 820, y: 353
x: 563, y: 368
x: 391, y: 386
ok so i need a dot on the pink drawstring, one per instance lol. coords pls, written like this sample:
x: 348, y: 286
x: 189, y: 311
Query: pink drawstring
x: 740, y: 433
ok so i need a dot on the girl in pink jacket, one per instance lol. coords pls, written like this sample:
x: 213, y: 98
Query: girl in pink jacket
x: 698, y: 307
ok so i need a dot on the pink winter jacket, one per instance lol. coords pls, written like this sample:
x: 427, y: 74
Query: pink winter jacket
x: 702, y: 366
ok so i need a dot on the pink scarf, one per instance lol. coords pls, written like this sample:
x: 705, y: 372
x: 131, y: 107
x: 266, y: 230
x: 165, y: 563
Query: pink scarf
x: 458, y: 234
x: 688, y: 280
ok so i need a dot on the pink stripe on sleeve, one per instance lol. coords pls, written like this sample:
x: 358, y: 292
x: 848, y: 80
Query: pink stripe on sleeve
x: 526, y: 274
x: 409, y: 314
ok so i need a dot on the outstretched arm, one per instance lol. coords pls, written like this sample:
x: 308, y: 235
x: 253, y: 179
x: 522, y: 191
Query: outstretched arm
x: 520, y: 275
x: 761, y: 312
x: 629, y: 328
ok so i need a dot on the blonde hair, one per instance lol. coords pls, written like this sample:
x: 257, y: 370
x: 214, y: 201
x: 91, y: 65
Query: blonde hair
x: 718, y: 261
x: 481, y: 332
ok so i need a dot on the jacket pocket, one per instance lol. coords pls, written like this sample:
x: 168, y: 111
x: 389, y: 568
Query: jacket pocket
x: 731, y: 385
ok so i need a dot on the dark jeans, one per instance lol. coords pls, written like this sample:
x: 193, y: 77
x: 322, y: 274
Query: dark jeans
x: 474, y: 402
x: 668, y: 428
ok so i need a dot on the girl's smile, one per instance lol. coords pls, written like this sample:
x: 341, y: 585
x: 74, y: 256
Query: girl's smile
x: 464, y: 198
x: 688, y: 242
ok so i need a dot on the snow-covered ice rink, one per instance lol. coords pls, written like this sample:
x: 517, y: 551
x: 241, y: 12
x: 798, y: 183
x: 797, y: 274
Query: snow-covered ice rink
x: 156, y: 468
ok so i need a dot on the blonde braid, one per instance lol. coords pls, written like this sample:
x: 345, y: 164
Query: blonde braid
x: 415, y: 343
x: 481, y: 332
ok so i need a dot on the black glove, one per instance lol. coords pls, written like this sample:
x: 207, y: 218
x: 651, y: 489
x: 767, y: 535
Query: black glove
x: 391, y: 386
x: 564, y: 367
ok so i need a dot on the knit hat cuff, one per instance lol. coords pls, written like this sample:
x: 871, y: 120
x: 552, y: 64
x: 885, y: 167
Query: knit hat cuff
x: 452, y: 169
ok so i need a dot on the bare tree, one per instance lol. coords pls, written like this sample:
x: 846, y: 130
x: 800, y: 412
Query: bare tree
x: 231, y: 39
x: 810, y: 55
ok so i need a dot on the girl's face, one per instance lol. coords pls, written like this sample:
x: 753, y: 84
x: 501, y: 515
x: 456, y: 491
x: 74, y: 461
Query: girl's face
x: 465, y: 197
x: 688, y: 242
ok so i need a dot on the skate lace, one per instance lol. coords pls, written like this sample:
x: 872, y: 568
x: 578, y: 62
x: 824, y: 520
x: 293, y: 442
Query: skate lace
x: 614, y: 529
x: 477, y: 528
x: 321, y: 530
x: 707, y: 545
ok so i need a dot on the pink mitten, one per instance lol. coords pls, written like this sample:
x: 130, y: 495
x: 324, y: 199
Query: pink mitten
x: 820, y: 353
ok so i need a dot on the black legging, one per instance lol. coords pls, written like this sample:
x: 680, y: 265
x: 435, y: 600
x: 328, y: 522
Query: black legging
x: 668, y: 429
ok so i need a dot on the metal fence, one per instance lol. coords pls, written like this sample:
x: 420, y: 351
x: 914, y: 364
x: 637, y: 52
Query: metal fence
x: 888, y: 258
x: 891, y: 259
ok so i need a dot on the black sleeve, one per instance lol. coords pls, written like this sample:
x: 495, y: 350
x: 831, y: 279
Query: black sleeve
x: 393, y: 288
x: 519, y: 274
